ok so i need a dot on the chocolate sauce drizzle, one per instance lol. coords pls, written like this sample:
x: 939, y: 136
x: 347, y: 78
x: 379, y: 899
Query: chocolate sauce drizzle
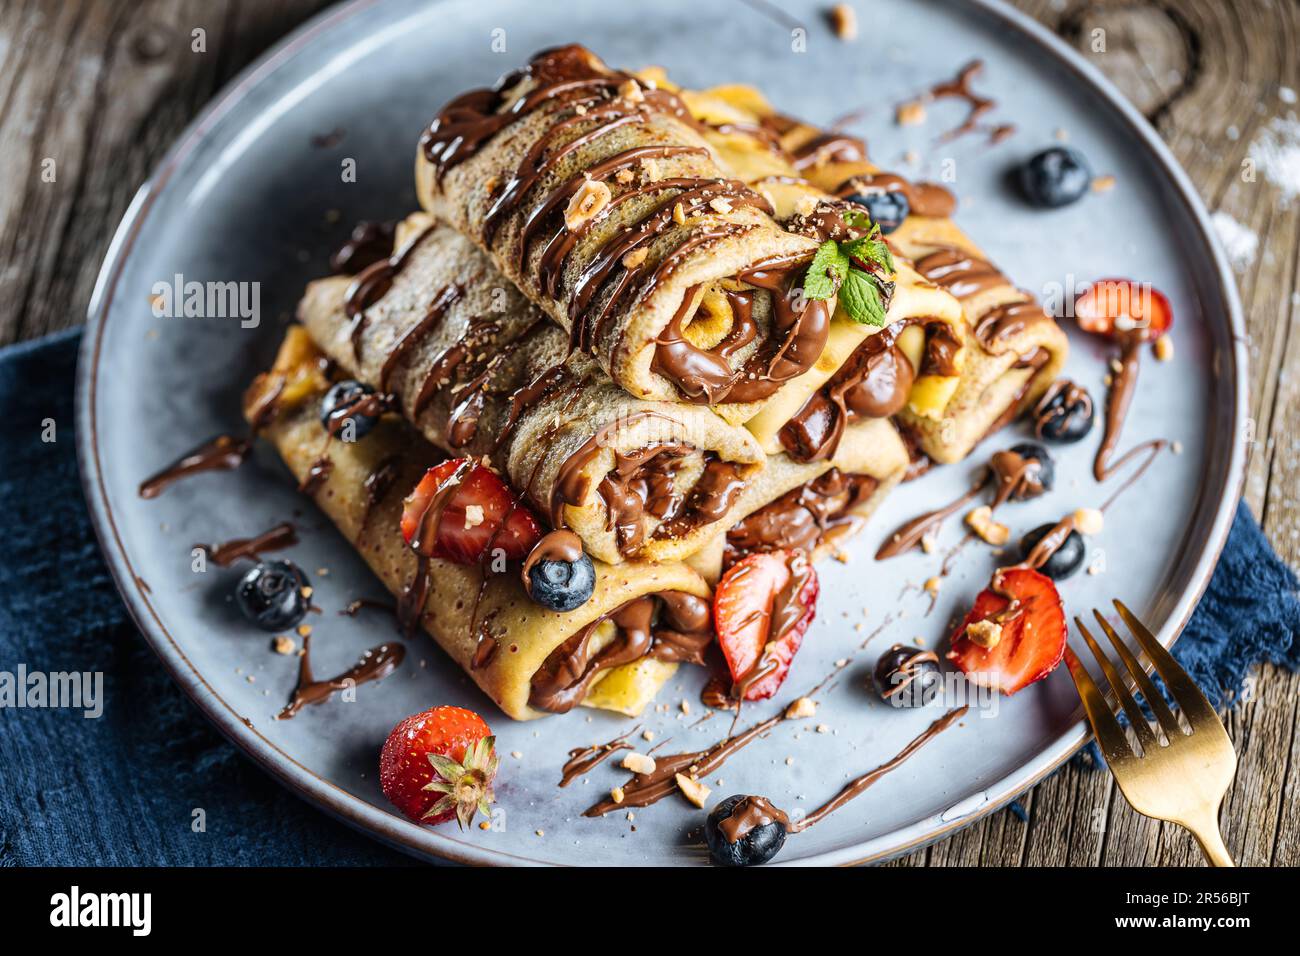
x: 227, y: 553
x: 222, y: 453
x: 859, y: 785
x: 375, y: 664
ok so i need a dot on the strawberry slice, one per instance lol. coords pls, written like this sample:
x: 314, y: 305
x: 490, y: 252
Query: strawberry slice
x: 467, y: 511
x: 1028, y: 640
x: 761, y: 609
x: 1111, y: 306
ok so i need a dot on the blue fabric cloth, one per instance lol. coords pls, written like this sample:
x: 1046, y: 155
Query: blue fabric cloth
x: 122, y: 789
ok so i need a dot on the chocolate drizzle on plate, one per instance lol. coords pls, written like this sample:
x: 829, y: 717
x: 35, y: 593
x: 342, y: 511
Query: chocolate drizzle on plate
x: 859, y: 785
x: 375, y: 664
x: 647, y: 788
x: 1118, y: 399
x: 584, y: 759
x: 977, y: 106
x: 222, y: 453
x: 227, y: 553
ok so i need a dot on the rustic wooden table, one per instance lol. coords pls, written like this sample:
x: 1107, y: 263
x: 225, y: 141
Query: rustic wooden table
x: 102, y: 87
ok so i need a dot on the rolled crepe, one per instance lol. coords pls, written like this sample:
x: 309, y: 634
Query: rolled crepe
x: 920, y: 368
x: 614, y: 651
x: 480, y: 371
x: 812, y: 505
x: 597, y: 196
x: 1012, y: 349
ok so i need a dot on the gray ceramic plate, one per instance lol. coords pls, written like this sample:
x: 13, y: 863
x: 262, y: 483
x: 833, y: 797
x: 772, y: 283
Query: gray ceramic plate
x: 248, y: 194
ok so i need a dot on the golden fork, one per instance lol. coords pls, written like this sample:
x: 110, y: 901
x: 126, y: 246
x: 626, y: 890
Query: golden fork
x: 1177, y: 776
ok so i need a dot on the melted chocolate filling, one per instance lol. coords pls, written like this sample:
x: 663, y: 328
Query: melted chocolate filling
x: 682, y: 631
x: 802, y: 518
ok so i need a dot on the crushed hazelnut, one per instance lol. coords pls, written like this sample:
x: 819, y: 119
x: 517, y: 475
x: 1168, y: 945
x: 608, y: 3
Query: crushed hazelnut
x: 1103, y: 184
x: 693, y: 790
x: 823, y: 728
x: 1088, y: 521
x: 844, y: 21
x: 283, y: 645
x: 648, y: 735
x: 635, y: 258
x: 484, y: 825
x: 911, y: 114
x: 679, y: 214
x: 616, y: 794
x: 1164, y: 348
x: 686, y: 706
x: 590, y: 199
x: 624, y: 176
x: 303, y: 630
x: 651, y: 167
x: 720, y: 205
x: 801, y: 707
x: 980, y: 520
x: 932, y: 585
x: 929, y: 541
x: 630, y: 90
x: 473, y: 516
x: 984, y: 633
x: 639, y: 763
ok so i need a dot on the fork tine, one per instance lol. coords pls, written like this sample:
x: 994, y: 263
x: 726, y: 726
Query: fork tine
x: 1110, y: 735
x: 1183, y: 688
x: 1136, y: 718
x: 1155, y: 700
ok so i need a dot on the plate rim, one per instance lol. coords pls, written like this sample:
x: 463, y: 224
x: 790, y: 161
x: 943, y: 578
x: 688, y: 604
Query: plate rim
x: 428, y: 843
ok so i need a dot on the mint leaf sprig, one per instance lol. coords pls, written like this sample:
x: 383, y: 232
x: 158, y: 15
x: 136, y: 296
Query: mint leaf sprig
x: 854, y: 268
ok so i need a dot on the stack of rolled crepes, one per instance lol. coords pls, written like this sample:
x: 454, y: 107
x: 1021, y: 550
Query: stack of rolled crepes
x: 601, y: 302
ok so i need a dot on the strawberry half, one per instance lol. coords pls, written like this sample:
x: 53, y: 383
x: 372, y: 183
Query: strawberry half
x: 1032, y: 638
x: 761, y: 609
x: 1111, y: 306
x: 439, y: 764
x: 478, y: 512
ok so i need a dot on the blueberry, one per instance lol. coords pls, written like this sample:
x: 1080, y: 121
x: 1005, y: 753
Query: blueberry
x: 1055, y: 177
x: 1032, y: 451
x: 743, y: 817
x: 1066, y: 560
x: 886, y: 209
x: 562, y: 585
x: 907, y: 676
x: 270, y: 595
x: 341, y: 405
x: 1064, y: 415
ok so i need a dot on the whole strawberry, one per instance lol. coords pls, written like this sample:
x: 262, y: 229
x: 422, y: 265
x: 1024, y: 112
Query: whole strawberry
x: 439, y: 764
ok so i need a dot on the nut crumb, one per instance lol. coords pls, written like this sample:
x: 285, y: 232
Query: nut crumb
x: 648, y: 735
x: 1176, y: 448
x: 516, y: 754
x: 635, y: 258
x: 986, y: 634
x: 844, y: 21
x: 980, y: 520
x: 283, y: 645
x: 538, y: 832
x: 639, y: 763
x: 616, y: 794
x: 679, y: 214
x: 801, y: 707
x: 1164, y: 348
x: 823, y: 728
x: 630, y: 90
x: 911, y: 114
x: 651, y: 167
x: 842, y: 662
x: 693, y: 790
x: 1103, y: 184
x: 686, y: 706
x: 718, y: 204
x: 1088, y: 521
x: 473, y: 516
x: 624, y: 176
x: 304, y: 630
x: 929, y: 541
x: 932, y: 585
x: 587, y: 202
x: 789, y: 761
x: 484, y: 825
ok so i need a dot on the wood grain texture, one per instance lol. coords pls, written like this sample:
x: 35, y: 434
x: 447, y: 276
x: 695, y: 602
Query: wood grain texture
x: 102, y: 88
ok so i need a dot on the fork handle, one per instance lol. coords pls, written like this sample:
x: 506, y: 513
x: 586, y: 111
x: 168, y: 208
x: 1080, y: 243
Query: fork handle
x: 1207, y: 835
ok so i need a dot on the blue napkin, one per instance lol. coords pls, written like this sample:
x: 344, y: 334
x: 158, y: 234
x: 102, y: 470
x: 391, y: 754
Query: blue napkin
x: 123, y: 788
